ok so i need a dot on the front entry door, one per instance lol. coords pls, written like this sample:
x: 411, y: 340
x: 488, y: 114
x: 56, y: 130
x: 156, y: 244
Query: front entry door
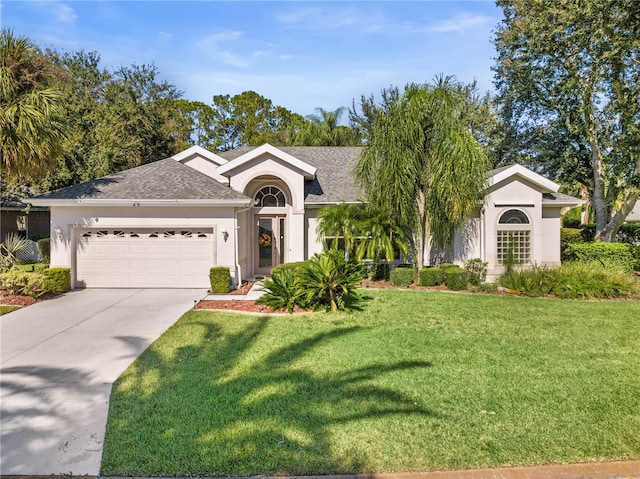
x: 269, y: 243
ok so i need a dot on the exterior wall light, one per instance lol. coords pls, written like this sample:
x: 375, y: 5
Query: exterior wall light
x: 225, y: 235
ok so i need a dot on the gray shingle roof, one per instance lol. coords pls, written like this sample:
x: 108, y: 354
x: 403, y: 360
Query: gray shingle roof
x: 550, y: 198
x: 166, y: 179
x: 333, y: 182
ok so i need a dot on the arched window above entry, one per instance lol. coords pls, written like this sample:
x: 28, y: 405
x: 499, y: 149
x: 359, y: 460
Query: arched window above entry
x: 270, y: 196
x: 512, y: 217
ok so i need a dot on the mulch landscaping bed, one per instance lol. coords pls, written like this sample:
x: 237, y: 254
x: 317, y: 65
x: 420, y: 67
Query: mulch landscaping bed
x: 15, y: 300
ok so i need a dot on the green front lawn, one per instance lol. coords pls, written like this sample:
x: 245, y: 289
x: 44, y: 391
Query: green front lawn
x: 4, y: 309
x: 415, y: 381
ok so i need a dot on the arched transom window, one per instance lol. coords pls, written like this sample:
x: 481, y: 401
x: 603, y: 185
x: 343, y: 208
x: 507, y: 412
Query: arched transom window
x: 513, y: 237
x: 270, y: 196
x: 511, y: 217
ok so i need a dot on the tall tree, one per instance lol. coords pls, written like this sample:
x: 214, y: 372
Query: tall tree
x: 116, y: 119
x: 422, y: 164
x: 251, y: 119
x: 32, y: 128
x: 568, y: 76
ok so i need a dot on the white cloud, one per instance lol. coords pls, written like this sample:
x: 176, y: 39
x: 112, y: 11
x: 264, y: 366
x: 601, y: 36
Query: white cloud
x: 460, y: 23
x: 60, y: 11
x: 211, y: 46
x: 329, y: 18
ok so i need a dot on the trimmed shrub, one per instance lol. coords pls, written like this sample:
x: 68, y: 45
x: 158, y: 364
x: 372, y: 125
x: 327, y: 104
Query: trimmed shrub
x: 220, y: 279
x: 44, y: 248
x: 40, y: 267
x: 444, y: 266
x: 477, y: 270
x: 572, y: 218
x: 380, y: 272
x: 22, y: 283
x: 57, y: 280
x: 456, y: 279
x: 571, y: 235
x: 628, y: 233
x: 430, y: 276
x: 623, y: 254
x: 402, y: 276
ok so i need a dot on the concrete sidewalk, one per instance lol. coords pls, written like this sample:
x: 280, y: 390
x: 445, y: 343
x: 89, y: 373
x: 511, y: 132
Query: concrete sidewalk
x: 59, y: 359
x: 253, y: 294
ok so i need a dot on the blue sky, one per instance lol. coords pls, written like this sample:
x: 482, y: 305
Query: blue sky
x: 301, y: 55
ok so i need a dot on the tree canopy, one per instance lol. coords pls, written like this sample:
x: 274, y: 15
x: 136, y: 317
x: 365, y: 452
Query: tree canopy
x: 568, y: 77
x: 422, y: 163
x: 32, y: 115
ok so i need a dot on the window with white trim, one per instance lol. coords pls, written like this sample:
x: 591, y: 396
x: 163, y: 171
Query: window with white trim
x: 513, y: 237
x: 270, y: 196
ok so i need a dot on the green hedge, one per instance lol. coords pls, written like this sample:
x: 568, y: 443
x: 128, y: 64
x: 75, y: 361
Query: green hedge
x: 431, y: 276
x: 19, y: 282
x: 402, y: 276
x: 445, y: 266
x: 57, y: 280
x: 456, y: 279
x: 220, y: 279
x: 624, y: 254
x: 44, y: 247
x: 628, y: 233
x: 571, y: 235
x: 380, y: 272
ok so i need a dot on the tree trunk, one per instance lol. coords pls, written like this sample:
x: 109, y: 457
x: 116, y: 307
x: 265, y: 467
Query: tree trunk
x: 599, y: 200
x: 611, y: 229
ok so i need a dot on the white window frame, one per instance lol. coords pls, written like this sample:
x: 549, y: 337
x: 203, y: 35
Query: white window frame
x: 520, y: 232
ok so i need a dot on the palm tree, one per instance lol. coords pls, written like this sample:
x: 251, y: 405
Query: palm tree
x: 324, y: 129
x: 31, y: 109
x: 422, y: 164
x: 381, y: 237
x: 342, y: 221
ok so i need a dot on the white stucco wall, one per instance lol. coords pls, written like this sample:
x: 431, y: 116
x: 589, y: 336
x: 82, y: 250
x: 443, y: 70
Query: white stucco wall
x: 313, y: 244
x: 67, y: 219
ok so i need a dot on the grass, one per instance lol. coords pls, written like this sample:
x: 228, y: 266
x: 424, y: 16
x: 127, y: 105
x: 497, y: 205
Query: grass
x: 4, y: 309
x: 414, y: 381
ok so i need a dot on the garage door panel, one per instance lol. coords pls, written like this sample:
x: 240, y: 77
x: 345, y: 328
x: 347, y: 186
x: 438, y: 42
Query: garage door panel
x: 145, y: 257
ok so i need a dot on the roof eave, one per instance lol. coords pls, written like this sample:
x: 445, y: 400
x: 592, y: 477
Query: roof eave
x: 563, y: 204
x: 309, y: 172
x: 519, y: 170
x: 138, y: 202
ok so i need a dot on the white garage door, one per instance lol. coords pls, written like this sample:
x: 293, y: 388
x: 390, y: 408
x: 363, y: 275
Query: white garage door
x: 144, y: 258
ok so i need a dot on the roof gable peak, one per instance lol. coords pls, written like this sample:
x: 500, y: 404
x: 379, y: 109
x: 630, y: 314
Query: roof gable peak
x: 501, y: 174
x: 308, y: 170
x: 196, y: 150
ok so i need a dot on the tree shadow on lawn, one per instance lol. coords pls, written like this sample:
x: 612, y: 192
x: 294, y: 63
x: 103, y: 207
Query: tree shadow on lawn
x: 208, y: 410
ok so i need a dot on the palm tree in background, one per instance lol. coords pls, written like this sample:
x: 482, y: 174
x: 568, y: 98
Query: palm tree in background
x: 32, y: 111
x: 324, y: 129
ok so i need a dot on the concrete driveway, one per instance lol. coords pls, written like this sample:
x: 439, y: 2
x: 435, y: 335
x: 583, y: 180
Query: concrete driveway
x: 58, y: 360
